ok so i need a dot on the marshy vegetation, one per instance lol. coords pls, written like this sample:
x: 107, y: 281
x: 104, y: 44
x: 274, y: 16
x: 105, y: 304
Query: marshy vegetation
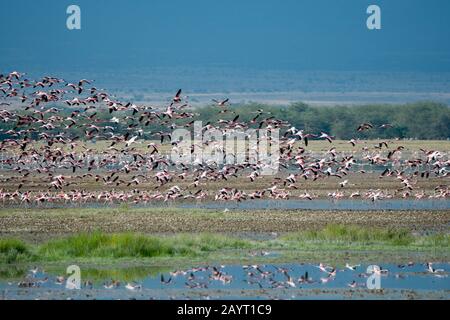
x: 100, y: 245
x: 136, y: 245
x: 349, y: 234
x: 12, y: 250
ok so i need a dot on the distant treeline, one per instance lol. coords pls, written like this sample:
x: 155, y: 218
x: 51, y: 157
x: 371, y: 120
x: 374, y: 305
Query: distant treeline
x: 424, y: 120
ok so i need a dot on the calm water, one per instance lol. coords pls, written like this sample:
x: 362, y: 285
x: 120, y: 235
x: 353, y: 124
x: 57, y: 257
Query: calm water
x: 316, y: 204
x: 398, y: 204
x: 249, y: 282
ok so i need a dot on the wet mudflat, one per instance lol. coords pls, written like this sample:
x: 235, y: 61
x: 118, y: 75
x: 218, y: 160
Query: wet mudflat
x: 46, y: 223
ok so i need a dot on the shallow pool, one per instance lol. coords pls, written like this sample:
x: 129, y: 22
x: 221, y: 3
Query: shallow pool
x: 266, y: 281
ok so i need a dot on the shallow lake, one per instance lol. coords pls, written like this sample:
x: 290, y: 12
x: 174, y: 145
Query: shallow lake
x: 245, y: 282
x: 261, y: 204
x: 345, y: 204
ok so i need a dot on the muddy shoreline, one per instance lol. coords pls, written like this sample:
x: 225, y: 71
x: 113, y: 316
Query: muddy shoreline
x: 44, y: 224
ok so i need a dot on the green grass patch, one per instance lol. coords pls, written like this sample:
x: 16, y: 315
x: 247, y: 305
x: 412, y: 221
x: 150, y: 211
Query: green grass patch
x: 438, y: 240
x: 136, y: 245
x: 333, y: 233
x: 14, y: 250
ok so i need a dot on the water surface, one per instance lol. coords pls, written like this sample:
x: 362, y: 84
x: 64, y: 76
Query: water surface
x: 247, y: 282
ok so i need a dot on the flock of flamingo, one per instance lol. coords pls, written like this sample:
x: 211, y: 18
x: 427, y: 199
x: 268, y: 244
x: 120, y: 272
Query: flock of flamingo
x: 260, y: 275
x: 44, y: 161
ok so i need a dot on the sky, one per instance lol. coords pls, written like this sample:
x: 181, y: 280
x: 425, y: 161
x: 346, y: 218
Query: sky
x: 288, y: 34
